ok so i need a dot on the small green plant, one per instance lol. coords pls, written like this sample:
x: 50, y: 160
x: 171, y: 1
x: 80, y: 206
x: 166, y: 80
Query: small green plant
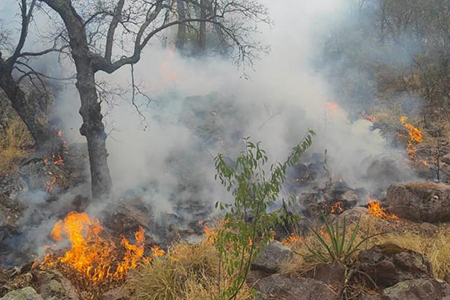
x: 248, y: 223
x: 336, y: 246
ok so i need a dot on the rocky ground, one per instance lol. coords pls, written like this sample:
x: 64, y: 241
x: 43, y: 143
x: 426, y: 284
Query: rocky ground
x: 405, y: 259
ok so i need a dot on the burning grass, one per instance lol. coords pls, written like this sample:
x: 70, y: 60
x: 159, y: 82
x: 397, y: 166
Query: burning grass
x: 186, y: 272
x: 377, y: 211
x: 414, y: 137
x: 93, y: 255
x: 13, y: 142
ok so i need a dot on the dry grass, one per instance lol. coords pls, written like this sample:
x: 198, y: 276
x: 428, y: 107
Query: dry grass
x: 435, y: 247
x: 13, y: 143
x: 186, y: 272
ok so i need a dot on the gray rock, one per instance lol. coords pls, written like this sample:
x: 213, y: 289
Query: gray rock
x: 56, y: 286
x: 282, y: 287
x: 27, y: 293
x: 415, y: 289
x: 389, y: 264
x: 420, y: 201
x: 11, y: 185
x: 51, y: 288
x: 272, y: 257
x: 446, y: 159
x: 371, y: 297
x: 332, y: 274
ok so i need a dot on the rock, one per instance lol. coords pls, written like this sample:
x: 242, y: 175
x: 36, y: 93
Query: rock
x: 388, y: 264
x: 370, y: 297
x: 54, y: 286
x: 420, y: 202
x: 254, y: 276
x: 124, y: 217
x: 11, y: 185
x: 333, y: 274
x: 282, y: 287
x: 272, y: 257
x: 446, y: 159
x: 353, y: 215
x: 114, y: 294
x: 416, y: 289
x: 27, y: 293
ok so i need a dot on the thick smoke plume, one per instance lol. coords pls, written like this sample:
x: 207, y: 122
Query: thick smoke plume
x: 199, y: 107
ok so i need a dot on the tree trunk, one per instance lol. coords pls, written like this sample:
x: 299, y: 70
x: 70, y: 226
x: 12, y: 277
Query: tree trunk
x: 181, y: 34
x: 43, y: 133
x: 202, y: 33
x: 93, y: 128
x: 223, y: 47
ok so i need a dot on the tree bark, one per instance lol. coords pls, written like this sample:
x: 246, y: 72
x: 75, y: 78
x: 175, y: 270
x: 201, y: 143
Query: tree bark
x: 181, y: 34
x: 43, y: 133
x: 202, y: 33
x: 93, y: 128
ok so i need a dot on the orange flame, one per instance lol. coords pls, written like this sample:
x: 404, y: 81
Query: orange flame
x: 365, y: 116
x: 332, y: 106
x: 337, y: 207
x: 292, y: 239
x: 414, y: 137
x: 377, y: 211
x: 92, y: 255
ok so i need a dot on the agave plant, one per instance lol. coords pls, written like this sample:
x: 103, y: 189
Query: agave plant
x: 338, y: 247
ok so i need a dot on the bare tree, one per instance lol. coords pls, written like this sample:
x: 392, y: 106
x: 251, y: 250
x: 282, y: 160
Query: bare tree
x: 138, y: 21
x: 181, y: 33
x: 15, y: 69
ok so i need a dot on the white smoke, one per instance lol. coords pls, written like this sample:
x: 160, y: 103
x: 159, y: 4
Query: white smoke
x: 284, y: 97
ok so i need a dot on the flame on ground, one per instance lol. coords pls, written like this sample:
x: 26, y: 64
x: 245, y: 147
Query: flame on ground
x: 55, y: 159
x: 92, y: 254
x: 414, y: 137
x: 292, y: 239
x: 365, y: 116
x: 332, y: 107
x: 377, y: 211
x: 337, y: 208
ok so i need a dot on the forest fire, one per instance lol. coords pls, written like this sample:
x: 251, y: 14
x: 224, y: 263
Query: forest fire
x: 332, y: 107
x: 93, y: 253
x: 377, y: 211
x: 414, y: 137
x: 292, y: 239
x: 366, y: 116
x: 337, y: 208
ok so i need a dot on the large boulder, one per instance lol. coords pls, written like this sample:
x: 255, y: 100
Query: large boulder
x: 288, y: 288
x: 417, y: 289
x: 388, y: 264
x: 419, y: 201
x: 271, y: 258
x: 27, y: 293
x: 331, y: 274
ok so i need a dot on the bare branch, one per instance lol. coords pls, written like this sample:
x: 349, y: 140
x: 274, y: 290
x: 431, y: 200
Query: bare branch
x: 26, y: 17
x: 112, y: 29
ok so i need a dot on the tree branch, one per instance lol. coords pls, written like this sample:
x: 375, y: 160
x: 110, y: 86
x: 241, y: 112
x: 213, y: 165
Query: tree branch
x: 26, y: 17
x: 112, y: 29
